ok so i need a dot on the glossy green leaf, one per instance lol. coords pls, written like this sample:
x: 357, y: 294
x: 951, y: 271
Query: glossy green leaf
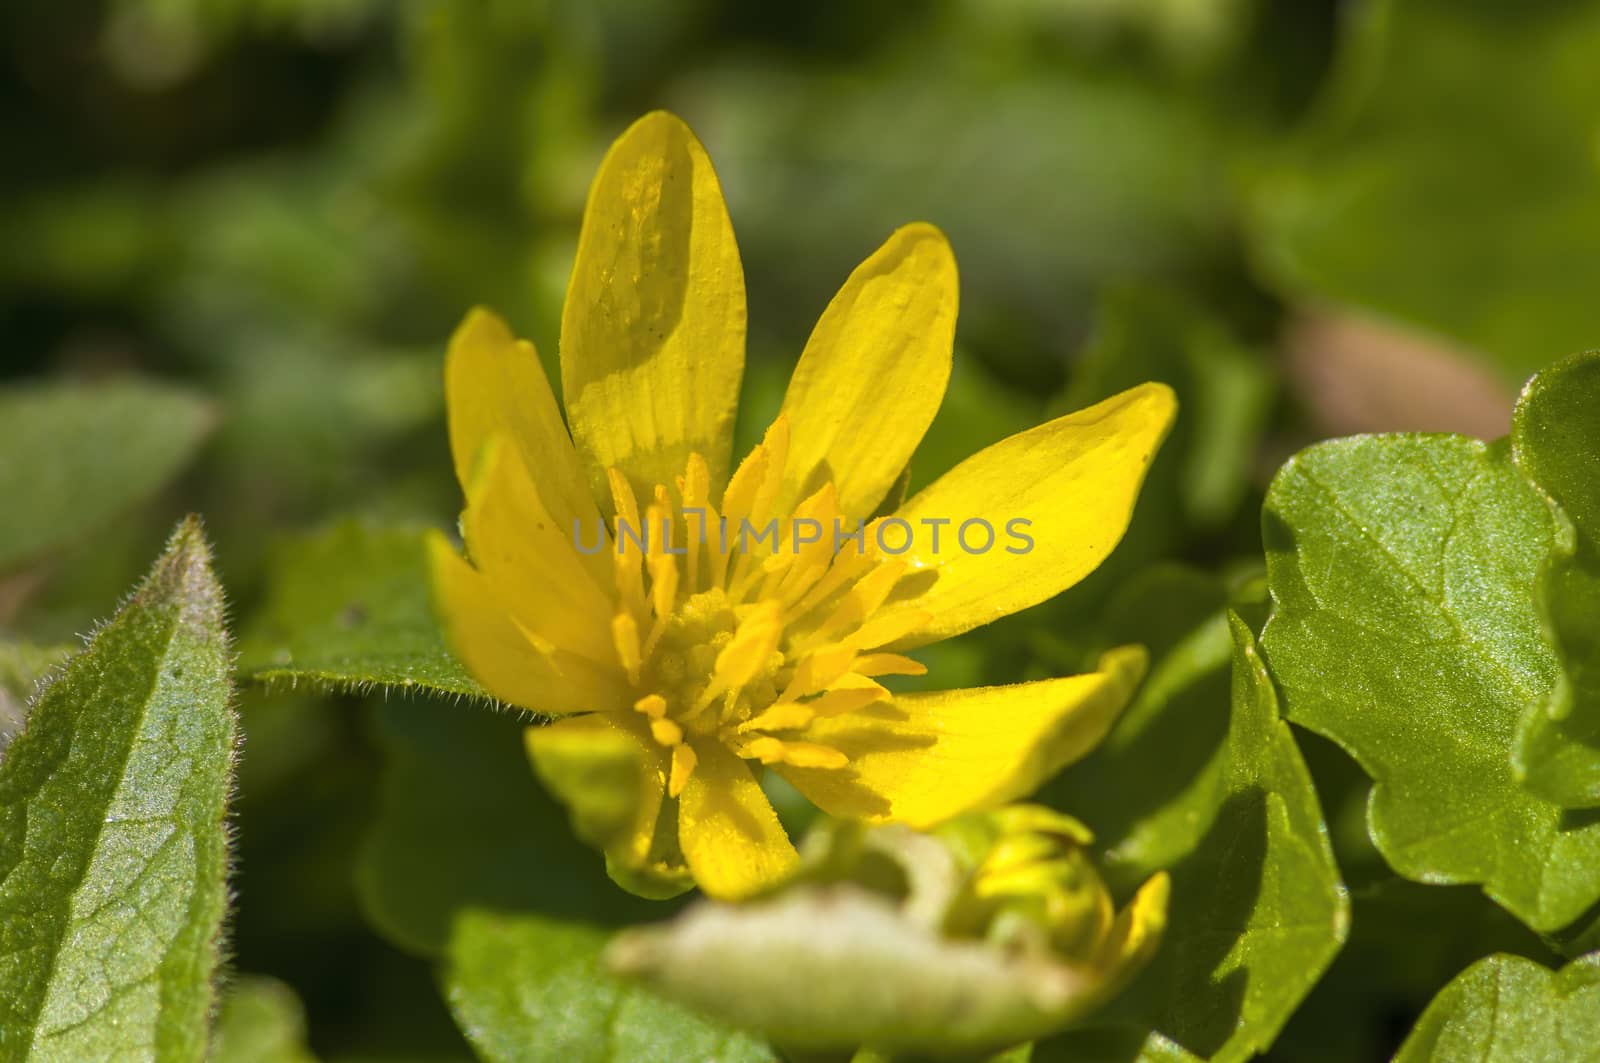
x: 1405, y: 628
x: 113, y: 852
x: 261, y: 1021
x: 1152, y: 787
x: 1448, y: 178
x: 1555, y: 441
x: 1258, y: 909
x: 349, y: 607
x: 471, y: 860
x: 1506, y: 1009
x: 72, y: 458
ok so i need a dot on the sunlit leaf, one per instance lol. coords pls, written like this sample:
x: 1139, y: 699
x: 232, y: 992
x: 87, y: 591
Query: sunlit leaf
x: 1223, y: 799
x: 1403, y: 571
x: 23, y: 667
x: 349, y: 607
x: 1556, y: 442
x: 1506, y: 1009
x: 112, y: 846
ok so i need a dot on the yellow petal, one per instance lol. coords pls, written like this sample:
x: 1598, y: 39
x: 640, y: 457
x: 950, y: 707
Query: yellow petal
x: 726, y: 827
x: 652, y: 333
x: 926, y: 757
x: 495, y: 386
x: 874, y: 372
x: 610, y: 781
x: 517, y: 545
x: 511, y: 663
x: 1074, y: 480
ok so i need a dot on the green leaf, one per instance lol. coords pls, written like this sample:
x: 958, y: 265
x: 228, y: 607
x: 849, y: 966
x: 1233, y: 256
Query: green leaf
x: 1153, y: 786
x: 113, y: 852
x: 1223, y: 799
x: 1449, y: 178
x: 23, y: 666
x: 1555, y: 440
x: 350, y: 607
x: 72, y: 458
x: 530, y: 989
x: 261, y: 1022
x: 1404, y: 628
x: 1506, y: 1009
x: 471, y: 860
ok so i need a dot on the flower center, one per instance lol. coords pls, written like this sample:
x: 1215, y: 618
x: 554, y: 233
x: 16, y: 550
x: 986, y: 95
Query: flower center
x: 746, y: 626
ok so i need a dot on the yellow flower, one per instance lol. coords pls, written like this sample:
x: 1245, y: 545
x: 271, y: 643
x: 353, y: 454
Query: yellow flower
x: 734, y: 642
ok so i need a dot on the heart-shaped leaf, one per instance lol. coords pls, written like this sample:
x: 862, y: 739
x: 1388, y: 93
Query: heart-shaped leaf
x: 1555, y: 441
x: 1403, y: 572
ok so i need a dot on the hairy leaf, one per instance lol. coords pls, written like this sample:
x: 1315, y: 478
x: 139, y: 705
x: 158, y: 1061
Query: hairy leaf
x: 1506, y: 1009
x: 112, y: 847
x: 71, y: 458
x: 350, y: 607
x: 23, y: 667
x: 1555, y: 441
x: 1404, y: 628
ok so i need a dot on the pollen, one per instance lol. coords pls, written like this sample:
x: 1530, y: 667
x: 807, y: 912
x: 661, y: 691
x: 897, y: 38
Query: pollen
x: 742, y: 626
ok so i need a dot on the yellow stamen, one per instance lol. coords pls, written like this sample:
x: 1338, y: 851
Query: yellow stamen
x: 783, y: 716
x: 663, y: 584
x: 626, y: 561
x: 684, y: 760
x: 777, y: 443
x: 666, y: 732
x: 847, y: 565
x: 816, y: 671
x: 862, y: 600
x: 849, y: 693
x: 770, y: 750
x: 891, y: 627
x: 747, y: 653
x: 889, y: 664
x: 652, y: 705
x: 625, y: 636
x: 695, y: 490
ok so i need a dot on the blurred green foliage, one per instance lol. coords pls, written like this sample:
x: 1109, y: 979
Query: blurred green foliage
x: 282, y: 207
